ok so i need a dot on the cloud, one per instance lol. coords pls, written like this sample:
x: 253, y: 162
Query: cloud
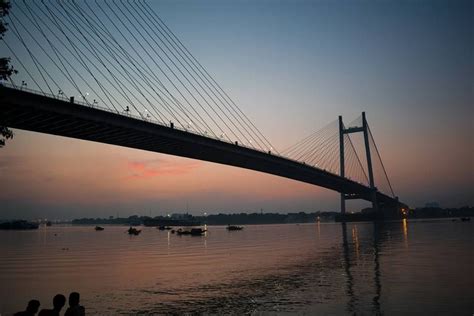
x: 144, y: 169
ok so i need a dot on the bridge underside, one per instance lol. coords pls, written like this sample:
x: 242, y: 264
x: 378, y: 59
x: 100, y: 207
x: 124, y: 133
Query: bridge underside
x: 38, y: 113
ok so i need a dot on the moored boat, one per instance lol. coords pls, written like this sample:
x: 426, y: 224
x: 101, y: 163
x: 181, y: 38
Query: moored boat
x: 164, y: 227
x: 233, y: 227
x: 134, y: 231
x: 98, y: 228
x: 192, y: 232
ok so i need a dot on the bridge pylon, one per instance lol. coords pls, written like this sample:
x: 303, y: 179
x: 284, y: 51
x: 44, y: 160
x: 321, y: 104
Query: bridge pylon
x: 357, y: 129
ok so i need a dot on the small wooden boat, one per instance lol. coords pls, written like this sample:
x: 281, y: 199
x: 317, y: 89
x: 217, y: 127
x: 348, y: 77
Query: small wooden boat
x: 133, y: 231
x: 98, y: 228
x: 192, y: 232
x: 197, y: 231
x: 164, y: 227
x: 183, y: 232
x: 233, y: 227
x: 465, y: 219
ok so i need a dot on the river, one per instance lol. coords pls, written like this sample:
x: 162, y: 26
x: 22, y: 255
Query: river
x: 408, y: 267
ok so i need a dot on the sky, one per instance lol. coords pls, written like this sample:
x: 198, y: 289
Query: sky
x: 292, y: 67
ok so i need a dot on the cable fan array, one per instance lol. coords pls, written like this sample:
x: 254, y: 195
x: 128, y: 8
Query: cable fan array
x: 381, y: 180
x: 321, y: 150
x: 120, y: 55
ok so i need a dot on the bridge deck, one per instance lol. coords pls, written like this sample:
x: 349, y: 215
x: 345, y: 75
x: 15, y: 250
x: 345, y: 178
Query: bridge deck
x: 39, y: 113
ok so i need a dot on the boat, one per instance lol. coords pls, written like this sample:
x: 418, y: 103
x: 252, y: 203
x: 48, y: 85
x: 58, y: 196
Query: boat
x: 465, y: 219
x: 233, y: 227
x: 134, y: 231
x: 48, y: 223
x: 164, y: 227
x: 192, y: 232
x: 197, y: 231
x: 19, y: 225
x: 98, y: 228
x: 183, y: 232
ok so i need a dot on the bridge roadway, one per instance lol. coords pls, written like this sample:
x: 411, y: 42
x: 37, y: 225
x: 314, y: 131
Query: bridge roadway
x: 31, y: 111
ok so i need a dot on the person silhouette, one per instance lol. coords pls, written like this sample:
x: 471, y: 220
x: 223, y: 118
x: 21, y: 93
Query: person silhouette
x: 74, y: 308
x: 59, y: 301
x: 31, y: 309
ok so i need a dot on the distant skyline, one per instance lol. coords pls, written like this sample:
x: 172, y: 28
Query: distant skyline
x: 292, y: 67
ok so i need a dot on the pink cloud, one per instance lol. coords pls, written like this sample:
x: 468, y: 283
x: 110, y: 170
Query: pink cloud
x: 159, y: 167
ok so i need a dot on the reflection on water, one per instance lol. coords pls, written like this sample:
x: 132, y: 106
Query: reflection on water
x: 347, y: 268
x: 378, y: 286
x: 405, y: 231
x: 319, y: 268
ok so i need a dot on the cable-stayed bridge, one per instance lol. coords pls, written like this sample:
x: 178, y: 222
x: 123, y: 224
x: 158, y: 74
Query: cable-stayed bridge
x: 114, y: 72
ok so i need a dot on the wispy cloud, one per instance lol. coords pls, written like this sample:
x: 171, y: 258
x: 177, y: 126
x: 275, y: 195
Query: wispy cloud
x: 144, y: 169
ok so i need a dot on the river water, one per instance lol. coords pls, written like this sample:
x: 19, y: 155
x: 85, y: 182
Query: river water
x: 408, y: 267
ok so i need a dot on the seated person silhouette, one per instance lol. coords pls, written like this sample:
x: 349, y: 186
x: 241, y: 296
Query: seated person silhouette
x: 31, y: 309
x: 74, y: 308
x: 59, y: 301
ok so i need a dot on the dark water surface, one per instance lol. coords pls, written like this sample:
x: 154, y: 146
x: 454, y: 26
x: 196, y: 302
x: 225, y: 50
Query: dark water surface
x: 414, y: 267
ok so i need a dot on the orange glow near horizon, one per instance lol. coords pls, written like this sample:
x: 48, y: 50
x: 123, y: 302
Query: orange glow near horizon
x: 54, y: 171
x: 44, y: 171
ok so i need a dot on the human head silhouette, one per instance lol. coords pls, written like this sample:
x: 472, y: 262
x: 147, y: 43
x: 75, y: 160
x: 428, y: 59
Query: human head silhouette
x: 59, y: 301
x: 74, y: 299
x: 33, y: 306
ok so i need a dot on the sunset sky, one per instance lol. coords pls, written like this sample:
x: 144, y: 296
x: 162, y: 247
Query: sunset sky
x: 292, y: 67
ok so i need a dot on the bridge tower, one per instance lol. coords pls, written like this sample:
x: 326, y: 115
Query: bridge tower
x: 357, y: 129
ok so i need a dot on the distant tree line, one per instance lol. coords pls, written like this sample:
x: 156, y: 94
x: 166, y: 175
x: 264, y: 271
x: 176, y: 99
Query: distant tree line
x: 265, y: 218
x: 437, y: 212
x: 271, y: 218
x: 131, y: 220
x: 218, y: 219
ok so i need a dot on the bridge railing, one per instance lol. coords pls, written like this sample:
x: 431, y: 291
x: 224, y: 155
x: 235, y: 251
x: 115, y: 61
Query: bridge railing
x: 93, y: 105
x: 140, y: 115
x: 88, y: 104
